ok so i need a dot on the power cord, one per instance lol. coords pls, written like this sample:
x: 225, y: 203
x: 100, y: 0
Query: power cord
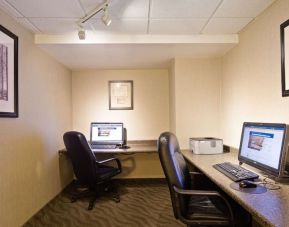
x: 269, y: 184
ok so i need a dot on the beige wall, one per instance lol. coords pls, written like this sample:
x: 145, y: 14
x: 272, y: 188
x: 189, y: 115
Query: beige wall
x: 197, y: 98
x: 146, y: 121
x: 251, y: 83
x: 172, y: 96
x: 151, y: 101
x: 29, y: 163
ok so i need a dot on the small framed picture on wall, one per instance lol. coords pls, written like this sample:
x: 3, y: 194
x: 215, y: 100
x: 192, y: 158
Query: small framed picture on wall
x: 284, y: 35
x: 8, y: 73
x: 120, y: 94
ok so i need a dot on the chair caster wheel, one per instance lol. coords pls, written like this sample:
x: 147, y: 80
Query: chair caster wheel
x: 116, y: 198
x: 91, y: 204
x: 90, y: 207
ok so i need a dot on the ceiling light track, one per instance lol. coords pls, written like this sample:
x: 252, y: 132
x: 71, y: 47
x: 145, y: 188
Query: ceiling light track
x: 105, y: 18
x: 102, y: 7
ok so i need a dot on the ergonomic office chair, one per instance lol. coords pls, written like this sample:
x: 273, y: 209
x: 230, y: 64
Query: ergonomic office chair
x: 192, y: 207
x: 93, y: 174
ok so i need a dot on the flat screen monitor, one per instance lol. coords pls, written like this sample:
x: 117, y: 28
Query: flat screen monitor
x: 106, y: 133
x: 264, y: 146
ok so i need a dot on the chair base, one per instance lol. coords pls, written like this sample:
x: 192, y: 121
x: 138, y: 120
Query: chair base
x: 94, y: 193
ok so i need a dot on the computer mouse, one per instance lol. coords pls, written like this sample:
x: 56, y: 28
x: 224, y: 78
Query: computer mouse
x: 124, y: 147
x: 247, y: 184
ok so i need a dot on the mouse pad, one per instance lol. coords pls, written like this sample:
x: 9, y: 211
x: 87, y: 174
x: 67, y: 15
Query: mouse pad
x: 258, y: 190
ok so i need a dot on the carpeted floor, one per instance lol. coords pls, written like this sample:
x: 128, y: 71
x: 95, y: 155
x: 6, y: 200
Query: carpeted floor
x: 143, y: 203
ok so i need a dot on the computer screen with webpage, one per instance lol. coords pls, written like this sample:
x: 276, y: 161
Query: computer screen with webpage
x: 106, y: 133
x: 264, y: 146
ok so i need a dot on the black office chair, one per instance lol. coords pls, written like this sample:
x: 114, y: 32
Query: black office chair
x: 192, y: 207
x: 89, y: 172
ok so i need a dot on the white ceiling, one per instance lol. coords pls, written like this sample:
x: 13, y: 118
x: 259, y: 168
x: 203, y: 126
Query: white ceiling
x: 164, y: 19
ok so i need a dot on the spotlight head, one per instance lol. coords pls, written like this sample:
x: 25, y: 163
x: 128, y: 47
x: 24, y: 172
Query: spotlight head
x: 106, y: 19
x: 81, y: 34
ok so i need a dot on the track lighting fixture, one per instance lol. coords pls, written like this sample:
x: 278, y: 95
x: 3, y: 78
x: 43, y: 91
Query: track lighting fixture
x: 105, y: 18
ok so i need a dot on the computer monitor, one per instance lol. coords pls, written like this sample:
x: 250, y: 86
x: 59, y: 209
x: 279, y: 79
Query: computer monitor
x: 106, y: 133
x: 264, y: 146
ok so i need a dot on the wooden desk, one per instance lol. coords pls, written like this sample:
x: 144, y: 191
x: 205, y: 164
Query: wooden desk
x: 143, y: 146
x: 139, y: 161
x: 268, y: 209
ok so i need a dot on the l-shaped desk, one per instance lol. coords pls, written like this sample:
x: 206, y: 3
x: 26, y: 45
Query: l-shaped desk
x: 141, y: 146
x: 139, y: 161
x: 270, y: 208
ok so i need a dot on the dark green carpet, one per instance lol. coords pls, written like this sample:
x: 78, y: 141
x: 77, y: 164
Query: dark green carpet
x: 143, y: 203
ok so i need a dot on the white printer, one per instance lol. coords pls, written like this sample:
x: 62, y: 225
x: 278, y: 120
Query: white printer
x: 206, y: 145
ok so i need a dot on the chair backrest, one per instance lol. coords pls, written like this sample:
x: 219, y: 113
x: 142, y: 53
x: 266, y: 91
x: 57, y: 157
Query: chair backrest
x: 82, y: 158
x: 174, y: 167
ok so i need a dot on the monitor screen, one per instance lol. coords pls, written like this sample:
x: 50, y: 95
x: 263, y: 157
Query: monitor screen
x: 263, y: 146
x: 106, y: 133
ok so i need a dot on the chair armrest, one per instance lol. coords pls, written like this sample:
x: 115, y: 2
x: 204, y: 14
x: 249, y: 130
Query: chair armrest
x: 106, y: 160
x: 196, y: 192
x: 110, y: 160
x: 196, y: 173
x: 181, y: 192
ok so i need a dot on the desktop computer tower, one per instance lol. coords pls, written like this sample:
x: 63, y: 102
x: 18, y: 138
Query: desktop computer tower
x: 124, y: 136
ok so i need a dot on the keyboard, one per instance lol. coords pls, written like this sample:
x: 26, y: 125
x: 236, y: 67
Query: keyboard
x: 103, y: 146
x: 235, y: 172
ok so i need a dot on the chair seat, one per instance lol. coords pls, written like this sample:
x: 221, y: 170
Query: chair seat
x: 106, y: 172
x: 202, y: 207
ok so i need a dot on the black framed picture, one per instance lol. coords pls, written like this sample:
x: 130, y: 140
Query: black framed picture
x: 284, y: 35
x: 8, y: 73
x: 120, y: 94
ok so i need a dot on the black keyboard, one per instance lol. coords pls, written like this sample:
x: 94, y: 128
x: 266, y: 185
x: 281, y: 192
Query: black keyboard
x: 235, y: 172
x: 103, y: 146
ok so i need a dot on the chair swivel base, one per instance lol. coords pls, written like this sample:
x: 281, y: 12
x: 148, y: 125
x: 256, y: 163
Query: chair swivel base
x: 94, y: 194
